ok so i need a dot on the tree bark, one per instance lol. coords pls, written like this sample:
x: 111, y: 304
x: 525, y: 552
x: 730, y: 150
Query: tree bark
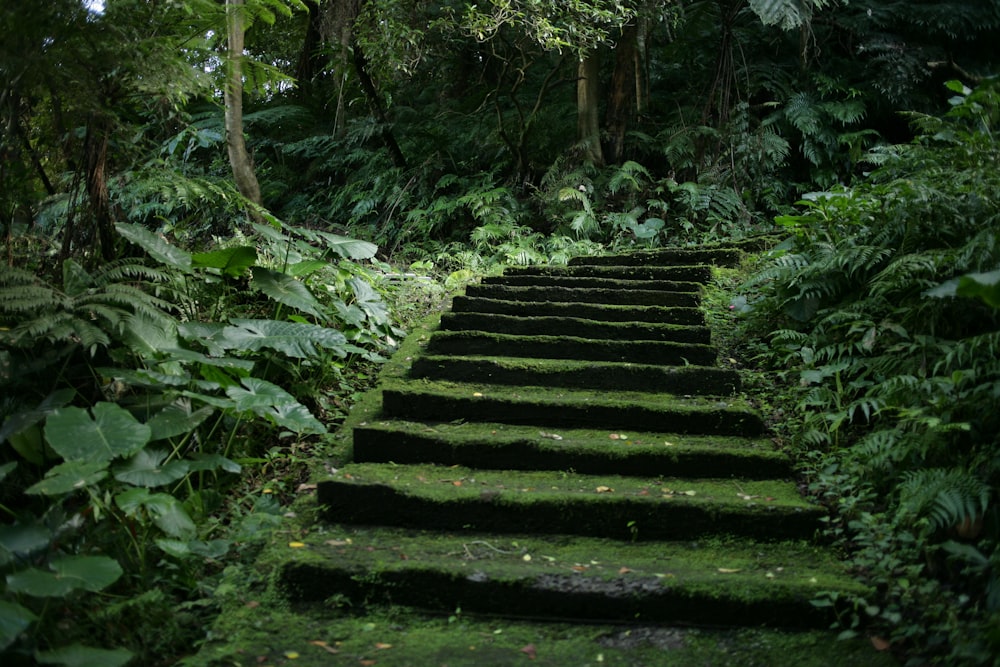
x: 239, y: 158
x: 375, y: 102
x: 622, y: 96
x: 587, y: 109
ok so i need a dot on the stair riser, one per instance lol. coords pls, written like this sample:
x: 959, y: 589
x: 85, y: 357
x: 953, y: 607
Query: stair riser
x: 716, y: 257
x: 638, y: 352
x: 593, y: 283
x: 433, y: 407
x: 380, y: 446
x: 614, y: 377
x: 693, y: 274
x: 568, y: 326
x: 685, y: 316
x: 562, y: 597
x: 584, y: 295
x: 607, y: 517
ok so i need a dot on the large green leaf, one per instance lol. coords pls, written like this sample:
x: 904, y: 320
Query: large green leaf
x: 112, y: 432
x: 21, y: 540
x: 985, y: 286
x: 147, y: 336
x: 157, y: 247
x: 22, y: 420
x: 71, y: 573
x: 204, y: 333
x: 14, y: 619
x: 294, y: 339
x: 274, y: 403
x: 68, y: 477
x: 76, y: 655
x: 166, y: 511
x: 203, y: 461
x: 177, y: 419
x: 147, y: 468
x: 286, y: 290
x: 789, y: 14
x: 230, y: 261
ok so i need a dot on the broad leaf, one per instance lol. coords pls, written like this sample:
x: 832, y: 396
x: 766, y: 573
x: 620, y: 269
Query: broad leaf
x: 204, y: 333
x: 305, y: 267
x: 14, y: 619
x: 147, y: 337
x: 230, y: 261
x: 341, y: 245
x: 22, y: 420
x: 789, y: 14
x: 985, y: 286
x: 112, y: 432
x: 22, y: 540
x: 165, y: 511
x: 177, y: 419
x: 72, y: 573
x: 76, y: 655
x: 157, y: 247
x: 213, y: 549
x: 293, y: 339
x: 68, y: 477
x: 271, y: 401
x: 204, y: 462
x: 6, y: 469
x: 147, y: 468
x: 286, y: 290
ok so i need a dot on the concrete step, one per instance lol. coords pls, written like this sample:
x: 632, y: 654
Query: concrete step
x: 482, y: 343
x: 572, y: 373
x: 696, y: 273
x: 454, y: 498
x: 498, y: 446
x: 574, y: 326
x: 552, y: 408
x: 665, y: 256
x: 635, y: 297
x: 714, y: 581
x: 574, y: 282
x: 688, y: 315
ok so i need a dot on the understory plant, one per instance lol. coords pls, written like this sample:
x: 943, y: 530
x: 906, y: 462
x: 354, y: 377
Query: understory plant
x: 886, y: 299
x: 134, y: 393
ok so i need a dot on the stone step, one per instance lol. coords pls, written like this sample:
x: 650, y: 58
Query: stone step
x: 482, y: 343
x: 612, y: 376
x: 715, y: 582
x: 698, y: 273
x: 689, y: 315
x: 574, y: 282
x: 574, y: 326
x: 635, y: 297
x: 455, y: 498
x: 592, y: 452
x: 550, y: 408
x: 665, y: 256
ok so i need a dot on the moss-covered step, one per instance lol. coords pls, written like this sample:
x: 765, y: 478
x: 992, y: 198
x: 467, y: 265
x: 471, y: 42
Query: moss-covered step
x: 592, y: 452
x: 698, y: 273
x: 546, y: 407
x: 714, y: 581
x: 587, y: 282
x: 613, y: 376
x: 454, y: 498
x: 637, y: 297
x: 666, y: 256
x: 483, y: 343
x: 574, y: 326
x: 590, y: 311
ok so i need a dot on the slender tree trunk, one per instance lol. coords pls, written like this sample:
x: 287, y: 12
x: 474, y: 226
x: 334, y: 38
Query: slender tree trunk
x: 239, y: 158
x: 621, y: 97
x: 587, y: 111
x: 95, y: 150
x: 375, y: 102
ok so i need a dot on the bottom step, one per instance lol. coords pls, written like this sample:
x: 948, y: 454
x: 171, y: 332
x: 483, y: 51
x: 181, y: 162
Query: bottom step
x: 715, y: 581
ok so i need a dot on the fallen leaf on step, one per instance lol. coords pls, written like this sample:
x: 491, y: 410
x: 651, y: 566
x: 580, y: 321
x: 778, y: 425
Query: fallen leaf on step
x: 550, y: 436
x: 614, y: 436
x: 296, y: 545
x: 880, y: 644
x: 624, y: 570
x: 478, y: 394
x: 529, y: 651
x: 323, y: 645
x: 381, y: 646
x: 728, y: 570
x: 605, y: 489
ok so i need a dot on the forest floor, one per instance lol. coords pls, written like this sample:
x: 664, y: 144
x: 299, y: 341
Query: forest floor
x: 556, y: 471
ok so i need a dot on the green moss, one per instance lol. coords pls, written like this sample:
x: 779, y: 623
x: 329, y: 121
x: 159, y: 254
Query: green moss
x: 690, y: 315
x: 579, y: 282
x: 586, y: 295
x: 571, y: 373
x: 505, y: 446
x: 697, y: 273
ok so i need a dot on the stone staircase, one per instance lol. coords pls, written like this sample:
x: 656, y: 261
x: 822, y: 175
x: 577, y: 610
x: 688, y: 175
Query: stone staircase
x: 562, y: 445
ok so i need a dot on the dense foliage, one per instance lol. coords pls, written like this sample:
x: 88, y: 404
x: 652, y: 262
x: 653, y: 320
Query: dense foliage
x: 172, y: 348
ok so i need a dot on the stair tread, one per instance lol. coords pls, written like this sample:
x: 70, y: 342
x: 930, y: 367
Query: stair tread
x: 581, y: 309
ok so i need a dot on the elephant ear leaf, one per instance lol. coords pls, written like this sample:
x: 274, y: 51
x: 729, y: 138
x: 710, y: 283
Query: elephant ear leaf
x: 110, y: 433
x: 286, y: 290
x: 294, y: 339
x: 231, y: 262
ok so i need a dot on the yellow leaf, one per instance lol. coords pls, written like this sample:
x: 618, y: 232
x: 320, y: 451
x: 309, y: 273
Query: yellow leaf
x: 291, y: 655
x: 478, y: 394
x: 296, y: 545
x: 605, y: 489
x: 381, y: 646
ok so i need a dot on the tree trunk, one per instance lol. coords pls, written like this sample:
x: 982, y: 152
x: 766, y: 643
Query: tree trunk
x: 621, y: 97
x: 239, y: 158
x: 375, y: 102
x: 95, y: 150
x: 587, y: 110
